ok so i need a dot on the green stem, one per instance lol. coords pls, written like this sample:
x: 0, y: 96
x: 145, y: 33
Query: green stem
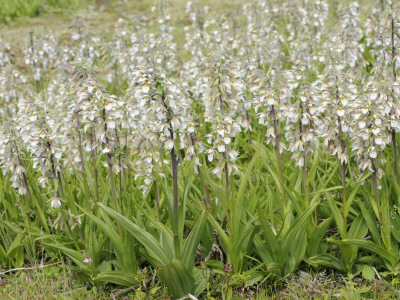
x: 278, y: 155
x: 343, y: 168
x: 93, y: 156
x: 306, y: 188
x: 112, y: 183
x: 157, y: 200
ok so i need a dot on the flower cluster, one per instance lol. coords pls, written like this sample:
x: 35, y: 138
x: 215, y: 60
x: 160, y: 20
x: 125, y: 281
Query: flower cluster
x: 130, y: 102
x: 221, y: 105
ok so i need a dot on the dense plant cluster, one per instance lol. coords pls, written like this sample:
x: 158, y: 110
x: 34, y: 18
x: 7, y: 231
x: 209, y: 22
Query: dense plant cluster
x: 245, y: 146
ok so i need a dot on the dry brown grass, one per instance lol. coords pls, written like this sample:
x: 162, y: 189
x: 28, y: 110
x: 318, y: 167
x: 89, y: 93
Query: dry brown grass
x: 101, y: 19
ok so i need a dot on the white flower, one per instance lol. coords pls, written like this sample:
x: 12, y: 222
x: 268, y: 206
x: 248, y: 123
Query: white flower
x: 300, y: 162
x: 217, y: 171
x: 373, y: 96
x: 111, y: 124
x: 58, y: 155
x: 221, y: 147
x: 190, y: 150
x: 379, y: 141
x: 271, y: 101
x: 22, y: 190
x: 305, y: 121
x: 375, y: 130
x: 107, y: 149
x: 55, y: 202
x: 232, y: 154
x: 145, y: 89
x: 364, y: 135
x: 169, y: 144
x: 175, y: 123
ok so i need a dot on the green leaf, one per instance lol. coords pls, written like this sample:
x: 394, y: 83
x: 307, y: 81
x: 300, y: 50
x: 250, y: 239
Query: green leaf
x: 326, y: 260
x: 167, y: 241
x: 201, y: 277
x: 145, y: 238
x: 290, y: 242
x: 182, y: 211
x: 354, y: 192
x: 3, y: 255
x: 105, y: 266
x: 123, y: 278
x: 270, y: 239
x: 369, y: 246
x: 337, y: 215
x: 177, y: 279
x: 317, y: 236
x: 215, y: 264
x: 358, y: 228
x: 368, y: 273
x: 371, y: 222
x: 192, y: 241
x: 263, y: 251
x: 222, y: 236
x: 106, y: 228
x: 76, y: 256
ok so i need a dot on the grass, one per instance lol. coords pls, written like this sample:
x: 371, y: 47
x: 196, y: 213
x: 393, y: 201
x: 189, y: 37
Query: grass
x: 15, y: 9
x: 54, y: 282
x: 57, y: 282
x: 100, y: 19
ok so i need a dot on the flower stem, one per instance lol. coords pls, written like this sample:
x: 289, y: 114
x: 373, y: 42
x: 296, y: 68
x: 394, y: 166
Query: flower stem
x: 157, y: 200
x: 93, y: 156
x: 396, y: 165
x: 110, y: 164
x: 278, y: 155
x: 343, y: 168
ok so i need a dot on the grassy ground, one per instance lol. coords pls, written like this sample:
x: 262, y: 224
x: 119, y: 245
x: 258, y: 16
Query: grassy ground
x: 99, y: 17
x: 52, y: 282
x: 55, y: 282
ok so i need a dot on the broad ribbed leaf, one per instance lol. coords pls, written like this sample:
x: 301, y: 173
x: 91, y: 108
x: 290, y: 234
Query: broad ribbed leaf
x: 269, y: 236
x: 337, y: 215
x: 317, y: 236
x: 354, y: 192
x: 3, y: 255
x: 292, y: 238
x: 76, y: 256
x: 108, y: 230
x: 177, y: 279
x: 123, y: 278
x: 192, y: 241
x: 326, y: 260
x: 222, y: 236
x: 358, y: 228
x: 371, y: 222
x: 263, y: 251
x: 201, y: 277
x: 145, y: 238
x: 370, y: 246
